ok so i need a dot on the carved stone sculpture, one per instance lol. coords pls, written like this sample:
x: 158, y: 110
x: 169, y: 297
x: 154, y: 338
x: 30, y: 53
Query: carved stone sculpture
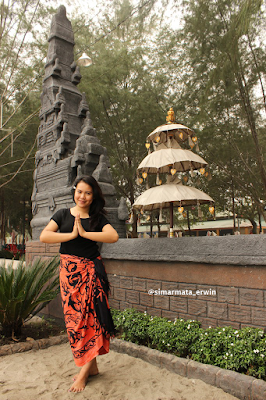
x: 67, y: 142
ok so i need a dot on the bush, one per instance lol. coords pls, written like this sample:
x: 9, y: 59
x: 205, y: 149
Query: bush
x: 240, y: 350
x: 173, y: 337
x: 24, y: 291
x: 132, y: 325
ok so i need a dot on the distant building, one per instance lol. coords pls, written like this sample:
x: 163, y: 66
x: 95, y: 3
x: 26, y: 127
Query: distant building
x: 219, y: 227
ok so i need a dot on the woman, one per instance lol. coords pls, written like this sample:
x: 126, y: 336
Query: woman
x: 83, y: 280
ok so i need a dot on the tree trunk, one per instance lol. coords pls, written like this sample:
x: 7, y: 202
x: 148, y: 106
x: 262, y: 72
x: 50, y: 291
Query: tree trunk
x: 134, y: 225
x: 2, y: 198
x: 254, y: 225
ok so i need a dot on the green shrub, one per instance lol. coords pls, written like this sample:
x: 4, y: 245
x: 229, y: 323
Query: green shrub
x: 241, y: 350
x: 173, y: 337
x: 132, y: 324
x: 141, y: 328
x: 24, y: 291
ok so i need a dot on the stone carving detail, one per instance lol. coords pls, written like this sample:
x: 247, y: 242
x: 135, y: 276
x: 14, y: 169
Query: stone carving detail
x: 51, y: 203
x: 83, y: 107
x: 64, y: 140
x: 56, y: 68
x: 102, y: 172
x: 46, y: 99
x: 38, y: 158
x: 76, y: 76
x: 62, y: 116
x: 123, y: 210
x: 87, y: 128
x: 56, y: 156
x: 59, y: 99
x: 67, y: 142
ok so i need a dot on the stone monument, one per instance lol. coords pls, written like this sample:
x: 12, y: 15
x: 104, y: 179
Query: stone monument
x: 67, y: 143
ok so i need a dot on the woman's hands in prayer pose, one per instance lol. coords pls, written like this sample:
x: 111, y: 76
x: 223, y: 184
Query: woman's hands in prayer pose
x: 108, y: 234
x: 78, y: 226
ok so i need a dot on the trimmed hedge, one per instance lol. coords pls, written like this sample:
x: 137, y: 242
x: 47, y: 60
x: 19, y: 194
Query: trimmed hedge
x: 241, y: 350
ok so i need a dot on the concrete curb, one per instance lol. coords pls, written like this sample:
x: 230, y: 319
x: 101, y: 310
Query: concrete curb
x: 241, y: 386
x: 32, y: 345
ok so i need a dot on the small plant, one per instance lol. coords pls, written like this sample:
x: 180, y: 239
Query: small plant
x: 24, y: 291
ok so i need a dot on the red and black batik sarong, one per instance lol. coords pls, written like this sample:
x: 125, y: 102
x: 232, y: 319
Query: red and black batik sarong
x: 84, y: 290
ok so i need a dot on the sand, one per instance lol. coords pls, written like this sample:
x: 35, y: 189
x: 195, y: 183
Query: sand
x: 47, y: 375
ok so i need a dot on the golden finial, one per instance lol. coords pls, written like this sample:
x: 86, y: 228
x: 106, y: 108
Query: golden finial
x: 170, y: 116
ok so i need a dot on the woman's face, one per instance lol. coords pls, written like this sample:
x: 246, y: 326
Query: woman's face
x: 83, y: 195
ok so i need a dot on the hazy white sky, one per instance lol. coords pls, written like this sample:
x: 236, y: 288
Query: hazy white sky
x: 93, y: 7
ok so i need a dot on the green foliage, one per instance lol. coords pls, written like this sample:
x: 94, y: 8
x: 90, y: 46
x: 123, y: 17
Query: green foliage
x: 242, y: 350
x: 132, y: 324
x: 23, y: 46
x: 172, y: 337
x: 221, y: 57
x: 24, y: 291
x: 164, y: 335
x: 118, y: 86
x: 126, y: 97
x: 210, y: 71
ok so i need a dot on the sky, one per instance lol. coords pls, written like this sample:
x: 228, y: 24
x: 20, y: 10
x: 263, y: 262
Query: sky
x: 93, y: 8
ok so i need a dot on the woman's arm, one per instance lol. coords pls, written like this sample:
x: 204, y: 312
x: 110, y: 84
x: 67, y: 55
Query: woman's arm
x: 108, y: 234
x: 50, y: 234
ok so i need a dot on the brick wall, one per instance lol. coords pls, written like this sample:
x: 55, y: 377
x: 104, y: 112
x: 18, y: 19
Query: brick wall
x: 233, y: 271
x: 237, y: 305
x: 35, y: 250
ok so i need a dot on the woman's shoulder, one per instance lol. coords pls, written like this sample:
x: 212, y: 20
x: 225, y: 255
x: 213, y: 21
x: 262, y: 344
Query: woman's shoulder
x: 103, y: 220
x: 61, y: 213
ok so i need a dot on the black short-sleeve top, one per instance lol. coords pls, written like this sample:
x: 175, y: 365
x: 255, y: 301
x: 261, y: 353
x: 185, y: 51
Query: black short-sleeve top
x: 79, y: 246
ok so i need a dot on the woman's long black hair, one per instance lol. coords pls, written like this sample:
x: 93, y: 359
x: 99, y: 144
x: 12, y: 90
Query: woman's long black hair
x: 98, y: 203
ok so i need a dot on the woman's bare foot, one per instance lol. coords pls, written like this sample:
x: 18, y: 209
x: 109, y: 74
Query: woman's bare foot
x: 80, y: 379
x: 78, y: 385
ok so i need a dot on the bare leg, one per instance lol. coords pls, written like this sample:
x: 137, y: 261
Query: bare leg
x: 92, y: 371
x: 82, y: 377
x: 94, y: 368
